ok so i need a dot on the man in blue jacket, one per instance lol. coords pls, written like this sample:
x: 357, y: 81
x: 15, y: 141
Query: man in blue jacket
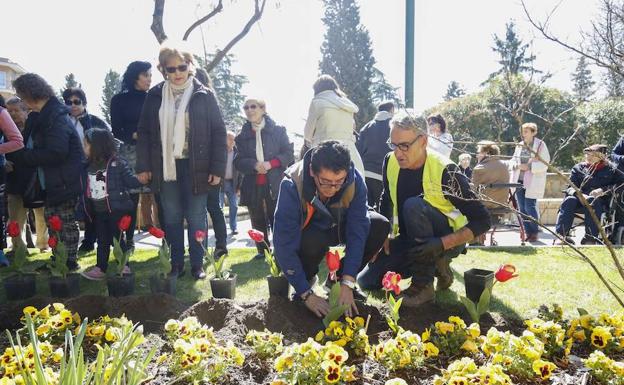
x: 322, y: 203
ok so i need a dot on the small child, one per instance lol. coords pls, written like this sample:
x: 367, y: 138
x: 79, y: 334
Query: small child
x: 106, y: 199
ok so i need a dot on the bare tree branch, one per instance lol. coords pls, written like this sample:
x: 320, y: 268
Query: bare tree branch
x: 204, y: 19
x: 157, y: 21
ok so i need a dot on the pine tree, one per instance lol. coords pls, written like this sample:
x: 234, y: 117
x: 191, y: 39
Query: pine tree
x: 614, y: 84
x: 454, y: 90
x: 70, y: 81
x: 112, y: 85
x: 582, y: 81
x: 227, y: 87
x: 347, y: 55
x: 382, y: 90
x: 514, y: 58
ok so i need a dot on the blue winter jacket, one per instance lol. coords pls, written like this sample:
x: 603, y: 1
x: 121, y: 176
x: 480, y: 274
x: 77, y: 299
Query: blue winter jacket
x: 289, y: 220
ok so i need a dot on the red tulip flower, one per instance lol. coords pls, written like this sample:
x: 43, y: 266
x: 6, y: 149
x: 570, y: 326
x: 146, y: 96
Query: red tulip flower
x: 55, y: 223
x: 124, y: 223
x: 200, y: 236
x: 256, y: 236
x: 13, y: 229
x: 505, y: 273
x: 390, y: 282
x: 333, y: 263
x: 156, y: 232
x: 52, y: 242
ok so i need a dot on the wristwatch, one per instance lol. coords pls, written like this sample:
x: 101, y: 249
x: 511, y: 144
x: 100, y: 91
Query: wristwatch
x: 347, y: 283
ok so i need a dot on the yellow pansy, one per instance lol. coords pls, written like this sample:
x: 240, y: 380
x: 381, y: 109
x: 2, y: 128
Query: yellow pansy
x: 332, y: 371
x: 430, y: 350
x: 600, y: 337
x: 396, y: 381
x: 444, y: 327
x: 319, y: 336
x: 457, y: 321
x: 469, y: 346
x: 426, y: 335
x: 586, y: 321
x: 30, y: 310
x: 474, y: 330
x: 543, y: 368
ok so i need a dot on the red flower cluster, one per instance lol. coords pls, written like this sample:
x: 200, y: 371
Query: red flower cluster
x: 390, y: 282
x: 13, y: 229
x: 124, y: 223
x: 55, y: 223
x: 256, y: 236
x: 156, y: 232
x: 505, y: 273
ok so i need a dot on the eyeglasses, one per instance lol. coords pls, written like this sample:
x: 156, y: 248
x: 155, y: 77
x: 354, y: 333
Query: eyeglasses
x: 75, y: 102
x: 336, y: 186
x: 251, y: 106
x: 402, y: 146
x: 180, y: 68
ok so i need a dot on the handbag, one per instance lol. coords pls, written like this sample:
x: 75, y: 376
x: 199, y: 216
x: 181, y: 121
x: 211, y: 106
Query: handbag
x: 34, y: 195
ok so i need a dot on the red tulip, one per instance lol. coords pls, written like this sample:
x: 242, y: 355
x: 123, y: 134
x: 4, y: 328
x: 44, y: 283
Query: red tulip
x: 124, y: 223
x: 505, y: 273
x: 391, y: 281
x: 55, y: 223
x: 52, y: 242
x: 332, y: 258
x: 13, y: 229
x: 200, y: 236
x: 156, y: 232
x: 256, y: 236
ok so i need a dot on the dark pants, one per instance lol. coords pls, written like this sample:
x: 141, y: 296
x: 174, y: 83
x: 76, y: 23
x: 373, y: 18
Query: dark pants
x: 569, y: 206
x: 229, y: 190
x: 105, y: 224
x: 261, y: 214
x: 421, y: 221
x: 216, y: 215
x: 90, y: 235
x: 315, y: 243
x: 528, y: 207
x: 375, y: 188
x: 179, y: 203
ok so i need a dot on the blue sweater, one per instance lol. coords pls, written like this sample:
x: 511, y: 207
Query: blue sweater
x: 289, y: 217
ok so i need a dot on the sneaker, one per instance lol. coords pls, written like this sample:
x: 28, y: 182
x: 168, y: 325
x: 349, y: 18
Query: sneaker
x: 219, y: 252
x: 564, y: 242
x: 259, y: 256
x: 73, y: 266
x: 94, y: 274
x: 444, y: 273
x: 198, y: 273
x: 417, y: 295
x: 234, y: 232
x: 531, y: 238
x: 126, y: 270
x: 590, y: 240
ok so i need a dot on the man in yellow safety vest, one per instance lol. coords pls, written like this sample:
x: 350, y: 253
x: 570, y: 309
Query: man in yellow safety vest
x: 434, y: 213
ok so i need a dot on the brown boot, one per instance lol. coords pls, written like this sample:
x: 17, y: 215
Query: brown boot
x: 417, y: 295
x: 443, y: 273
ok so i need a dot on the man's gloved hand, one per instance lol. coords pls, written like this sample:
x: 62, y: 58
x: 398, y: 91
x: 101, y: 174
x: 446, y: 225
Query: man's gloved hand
x: 427, y: 249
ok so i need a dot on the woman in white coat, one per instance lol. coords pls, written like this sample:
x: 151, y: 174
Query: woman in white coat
x: 531, y: 172
x: 331, y: 117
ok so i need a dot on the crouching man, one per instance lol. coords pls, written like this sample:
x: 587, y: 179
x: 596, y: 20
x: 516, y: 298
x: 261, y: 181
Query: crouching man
x: 322, y: 202
x: 434, y: 214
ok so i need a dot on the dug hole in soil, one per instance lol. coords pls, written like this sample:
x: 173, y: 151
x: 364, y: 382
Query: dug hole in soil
x: 232, y: 320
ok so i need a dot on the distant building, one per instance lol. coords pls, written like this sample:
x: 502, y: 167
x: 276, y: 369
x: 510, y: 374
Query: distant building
x: 9, y: 71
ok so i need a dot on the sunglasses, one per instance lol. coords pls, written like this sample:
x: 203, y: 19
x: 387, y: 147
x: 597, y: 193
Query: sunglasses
x: 180, y: 68
x: 251, y: 106
x: 75, y: 102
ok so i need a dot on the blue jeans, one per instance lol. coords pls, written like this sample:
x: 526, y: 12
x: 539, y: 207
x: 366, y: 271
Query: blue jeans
x: 230, y: 190
x: 218, y: 220
x: 528, y: 207
x: 179, y: 203
x: 571, y: 205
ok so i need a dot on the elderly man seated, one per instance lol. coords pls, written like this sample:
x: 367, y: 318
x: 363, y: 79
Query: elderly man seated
x: 490, y: 169
x: 594, y: 177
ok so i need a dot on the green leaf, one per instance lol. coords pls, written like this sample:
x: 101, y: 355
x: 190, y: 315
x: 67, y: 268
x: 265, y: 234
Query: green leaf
x: 334, y: 314
x: 334, y: 295
x: 484, y: 301
x: 471, y: 308
x: 397, y: 307
x: 582, y: 311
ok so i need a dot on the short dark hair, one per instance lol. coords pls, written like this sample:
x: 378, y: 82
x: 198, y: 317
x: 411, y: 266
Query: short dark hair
x: 386, y: 105
x: 332, y: 155
x: 437, y: 119
x: 75, y: 91
x: 33, y: 87
x: 326, y: 83
x: 132, y: 73
x: 2, y: 102
x: 103, y: 146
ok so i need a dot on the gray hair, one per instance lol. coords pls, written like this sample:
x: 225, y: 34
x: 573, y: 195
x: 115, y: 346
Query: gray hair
x: 405, y: 121
x: 17, y: 101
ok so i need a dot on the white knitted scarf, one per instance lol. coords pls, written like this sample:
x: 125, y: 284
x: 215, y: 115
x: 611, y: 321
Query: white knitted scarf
x: 172, y: 125
x: 258, y: 129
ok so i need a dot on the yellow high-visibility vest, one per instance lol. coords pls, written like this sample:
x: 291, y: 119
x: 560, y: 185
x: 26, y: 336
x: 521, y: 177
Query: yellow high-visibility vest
x: 432, y: 188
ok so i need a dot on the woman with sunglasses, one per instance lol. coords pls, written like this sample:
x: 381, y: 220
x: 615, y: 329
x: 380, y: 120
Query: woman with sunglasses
x: 181, y: 148
x: 331, y: 117
x: 264, y: 153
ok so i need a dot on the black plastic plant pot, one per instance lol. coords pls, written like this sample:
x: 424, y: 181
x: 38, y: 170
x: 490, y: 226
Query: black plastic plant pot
x: 20, y: 286
x: 167, y: 285
x: 64, y: 287
x: 476, y: 280
x: 278, y: 286
x: 224, y: 288
x: 120, y: 286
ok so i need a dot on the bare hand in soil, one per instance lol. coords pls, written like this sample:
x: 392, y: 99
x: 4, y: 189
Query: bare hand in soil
x: 317, y: 305
x: 346, y: 298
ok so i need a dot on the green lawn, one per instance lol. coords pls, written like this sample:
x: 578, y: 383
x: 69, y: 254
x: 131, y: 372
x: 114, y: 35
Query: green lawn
x: 547, y: 275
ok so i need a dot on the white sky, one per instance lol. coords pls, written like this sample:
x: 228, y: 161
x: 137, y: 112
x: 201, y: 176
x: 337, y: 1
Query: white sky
x: 280, y: 55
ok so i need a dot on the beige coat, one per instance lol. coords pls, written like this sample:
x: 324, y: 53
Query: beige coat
x: 491, y: 170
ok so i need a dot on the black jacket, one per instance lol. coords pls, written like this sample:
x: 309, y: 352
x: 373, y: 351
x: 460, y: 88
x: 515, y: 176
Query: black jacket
x: 57, y: 150
x: 88, y: 121
x: 17, y: 180
x: 207, y: 138
x: 125, y: 112
x: 372, y: 146
x: 275, y: 144
x: 587, y: 177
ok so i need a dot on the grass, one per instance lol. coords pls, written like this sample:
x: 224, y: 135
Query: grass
x: 547, y: 275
